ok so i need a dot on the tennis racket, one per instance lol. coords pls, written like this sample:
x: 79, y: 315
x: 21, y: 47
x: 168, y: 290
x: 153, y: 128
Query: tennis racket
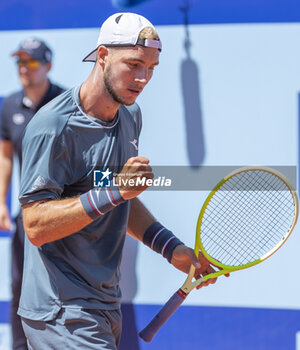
x: 244, y: 220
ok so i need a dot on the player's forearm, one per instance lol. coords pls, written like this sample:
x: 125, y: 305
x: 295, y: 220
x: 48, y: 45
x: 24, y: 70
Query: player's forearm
x: 48, y: 221
x: 143, y: 226
x: 139, y: 219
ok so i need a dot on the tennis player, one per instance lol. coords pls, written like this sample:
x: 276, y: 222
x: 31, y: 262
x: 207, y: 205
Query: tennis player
x: 75, y: 231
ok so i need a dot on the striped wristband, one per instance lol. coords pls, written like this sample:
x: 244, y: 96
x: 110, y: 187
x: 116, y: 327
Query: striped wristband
x: 99, y: 201
x: 161, y: 240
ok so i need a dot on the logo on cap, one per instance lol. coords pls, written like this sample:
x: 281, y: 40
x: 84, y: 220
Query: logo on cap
x: 31, y: 44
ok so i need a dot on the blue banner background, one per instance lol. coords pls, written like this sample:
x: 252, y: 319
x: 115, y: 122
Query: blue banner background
x: 34, y: 14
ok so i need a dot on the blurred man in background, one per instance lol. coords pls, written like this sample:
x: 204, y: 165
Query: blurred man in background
x: 33, y: 59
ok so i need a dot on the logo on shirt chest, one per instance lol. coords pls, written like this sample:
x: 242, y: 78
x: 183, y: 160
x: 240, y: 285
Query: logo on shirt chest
x: 134, y: 144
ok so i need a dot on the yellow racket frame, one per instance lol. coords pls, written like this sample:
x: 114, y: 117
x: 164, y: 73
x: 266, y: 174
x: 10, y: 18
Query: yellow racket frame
x: 189, y: 284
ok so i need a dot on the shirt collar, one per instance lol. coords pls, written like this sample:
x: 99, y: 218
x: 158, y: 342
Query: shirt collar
x: 27, y: 103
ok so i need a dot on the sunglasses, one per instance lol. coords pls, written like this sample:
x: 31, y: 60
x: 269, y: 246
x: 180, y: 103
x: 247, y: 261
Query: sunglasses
x: 30, y: 64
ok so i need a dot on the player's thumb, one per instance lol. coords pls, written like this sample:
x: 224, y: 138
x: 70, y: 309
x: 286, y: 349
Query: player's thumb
x: 194, y: 259
x: 137, y: 159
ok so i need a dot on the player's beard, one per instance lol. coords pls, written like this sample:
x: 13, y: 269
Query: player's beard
x: 108, y: 78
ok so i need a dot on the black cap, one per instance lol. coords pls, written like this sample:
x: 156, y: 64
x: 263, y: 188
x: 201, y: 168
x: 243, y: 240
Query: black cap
x: 36, y: 48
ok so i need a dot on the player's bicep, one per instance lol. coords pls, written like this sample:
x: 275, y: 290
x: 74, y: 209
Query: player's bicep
x: 27, y: 207
x: 44, y: 169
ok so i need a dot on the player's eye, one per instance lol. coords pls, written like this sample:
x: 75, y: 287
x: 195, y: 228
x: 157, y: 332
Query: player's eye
x: 133, y: 65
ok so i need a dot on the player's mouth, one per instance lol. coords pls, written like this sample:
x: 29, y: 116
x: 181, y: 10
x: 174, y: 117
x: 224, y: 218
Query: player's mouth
x: 135, y: 92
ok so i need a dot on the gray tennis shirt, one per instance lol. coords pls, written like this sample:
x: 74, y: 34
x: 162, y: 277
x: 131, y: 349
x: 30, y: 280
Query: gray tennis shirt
x: 62, y: 146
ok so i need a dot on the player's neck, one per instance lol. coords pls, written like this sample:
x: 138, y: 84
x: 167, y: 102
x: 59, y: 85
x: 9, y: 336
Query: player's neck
x: 35, y: 93
x: 96, y: 101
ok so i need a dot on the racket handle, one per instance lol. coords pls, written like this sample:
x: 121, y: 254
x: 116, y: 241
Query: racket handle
x: 162, y: 316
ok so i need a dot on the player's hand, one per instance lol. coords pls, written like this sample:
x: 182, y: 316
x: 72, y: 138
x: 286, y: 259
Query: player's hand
x: 132, y: 179
x: 5, y: 223
x: 183, y: 257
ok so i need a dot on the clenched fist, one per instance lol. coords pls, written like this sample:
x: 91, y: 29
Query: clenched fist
x: 135, y: 177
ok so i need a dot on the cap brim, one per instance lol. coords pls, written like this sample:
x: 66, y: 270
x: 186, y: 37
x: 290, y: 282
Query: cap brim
x: 19, y: 52
x: 91, y: 57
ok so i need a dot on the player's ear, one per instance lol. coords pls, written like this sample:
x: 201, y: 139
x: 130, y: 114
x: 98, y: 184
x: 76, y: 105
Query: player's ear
x: 102, y: 55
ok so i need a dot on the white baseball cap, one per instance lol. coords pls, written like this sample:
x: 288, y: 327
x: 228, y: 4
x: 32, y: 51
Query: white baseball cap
x: 123, y: 29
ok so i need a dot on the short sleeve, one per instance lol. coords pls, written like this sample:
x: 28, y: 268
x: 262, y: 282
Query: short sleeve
x: 45, y: 168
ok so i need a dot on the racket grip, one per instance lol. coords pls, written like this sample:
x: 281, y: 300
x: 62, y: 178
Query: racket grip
x: 162, y: 316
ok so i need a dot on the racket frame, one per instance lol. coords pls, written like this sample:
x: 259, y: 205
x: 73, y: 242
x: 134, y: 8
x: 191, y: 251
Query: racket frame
x: 189, y: 284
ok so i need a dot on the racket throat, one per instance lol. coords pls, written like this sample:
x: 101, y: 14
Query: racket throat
x: 182, y: 293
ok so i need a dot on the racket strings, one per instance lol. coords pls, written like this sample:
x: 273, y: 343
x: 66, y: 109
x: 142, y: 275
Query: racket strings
x: 229, y: 237
x: 220, y: 226
x: 251, y: 247
x: 230, y: 241
x: 264, y: 243
x: 247, y: 217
